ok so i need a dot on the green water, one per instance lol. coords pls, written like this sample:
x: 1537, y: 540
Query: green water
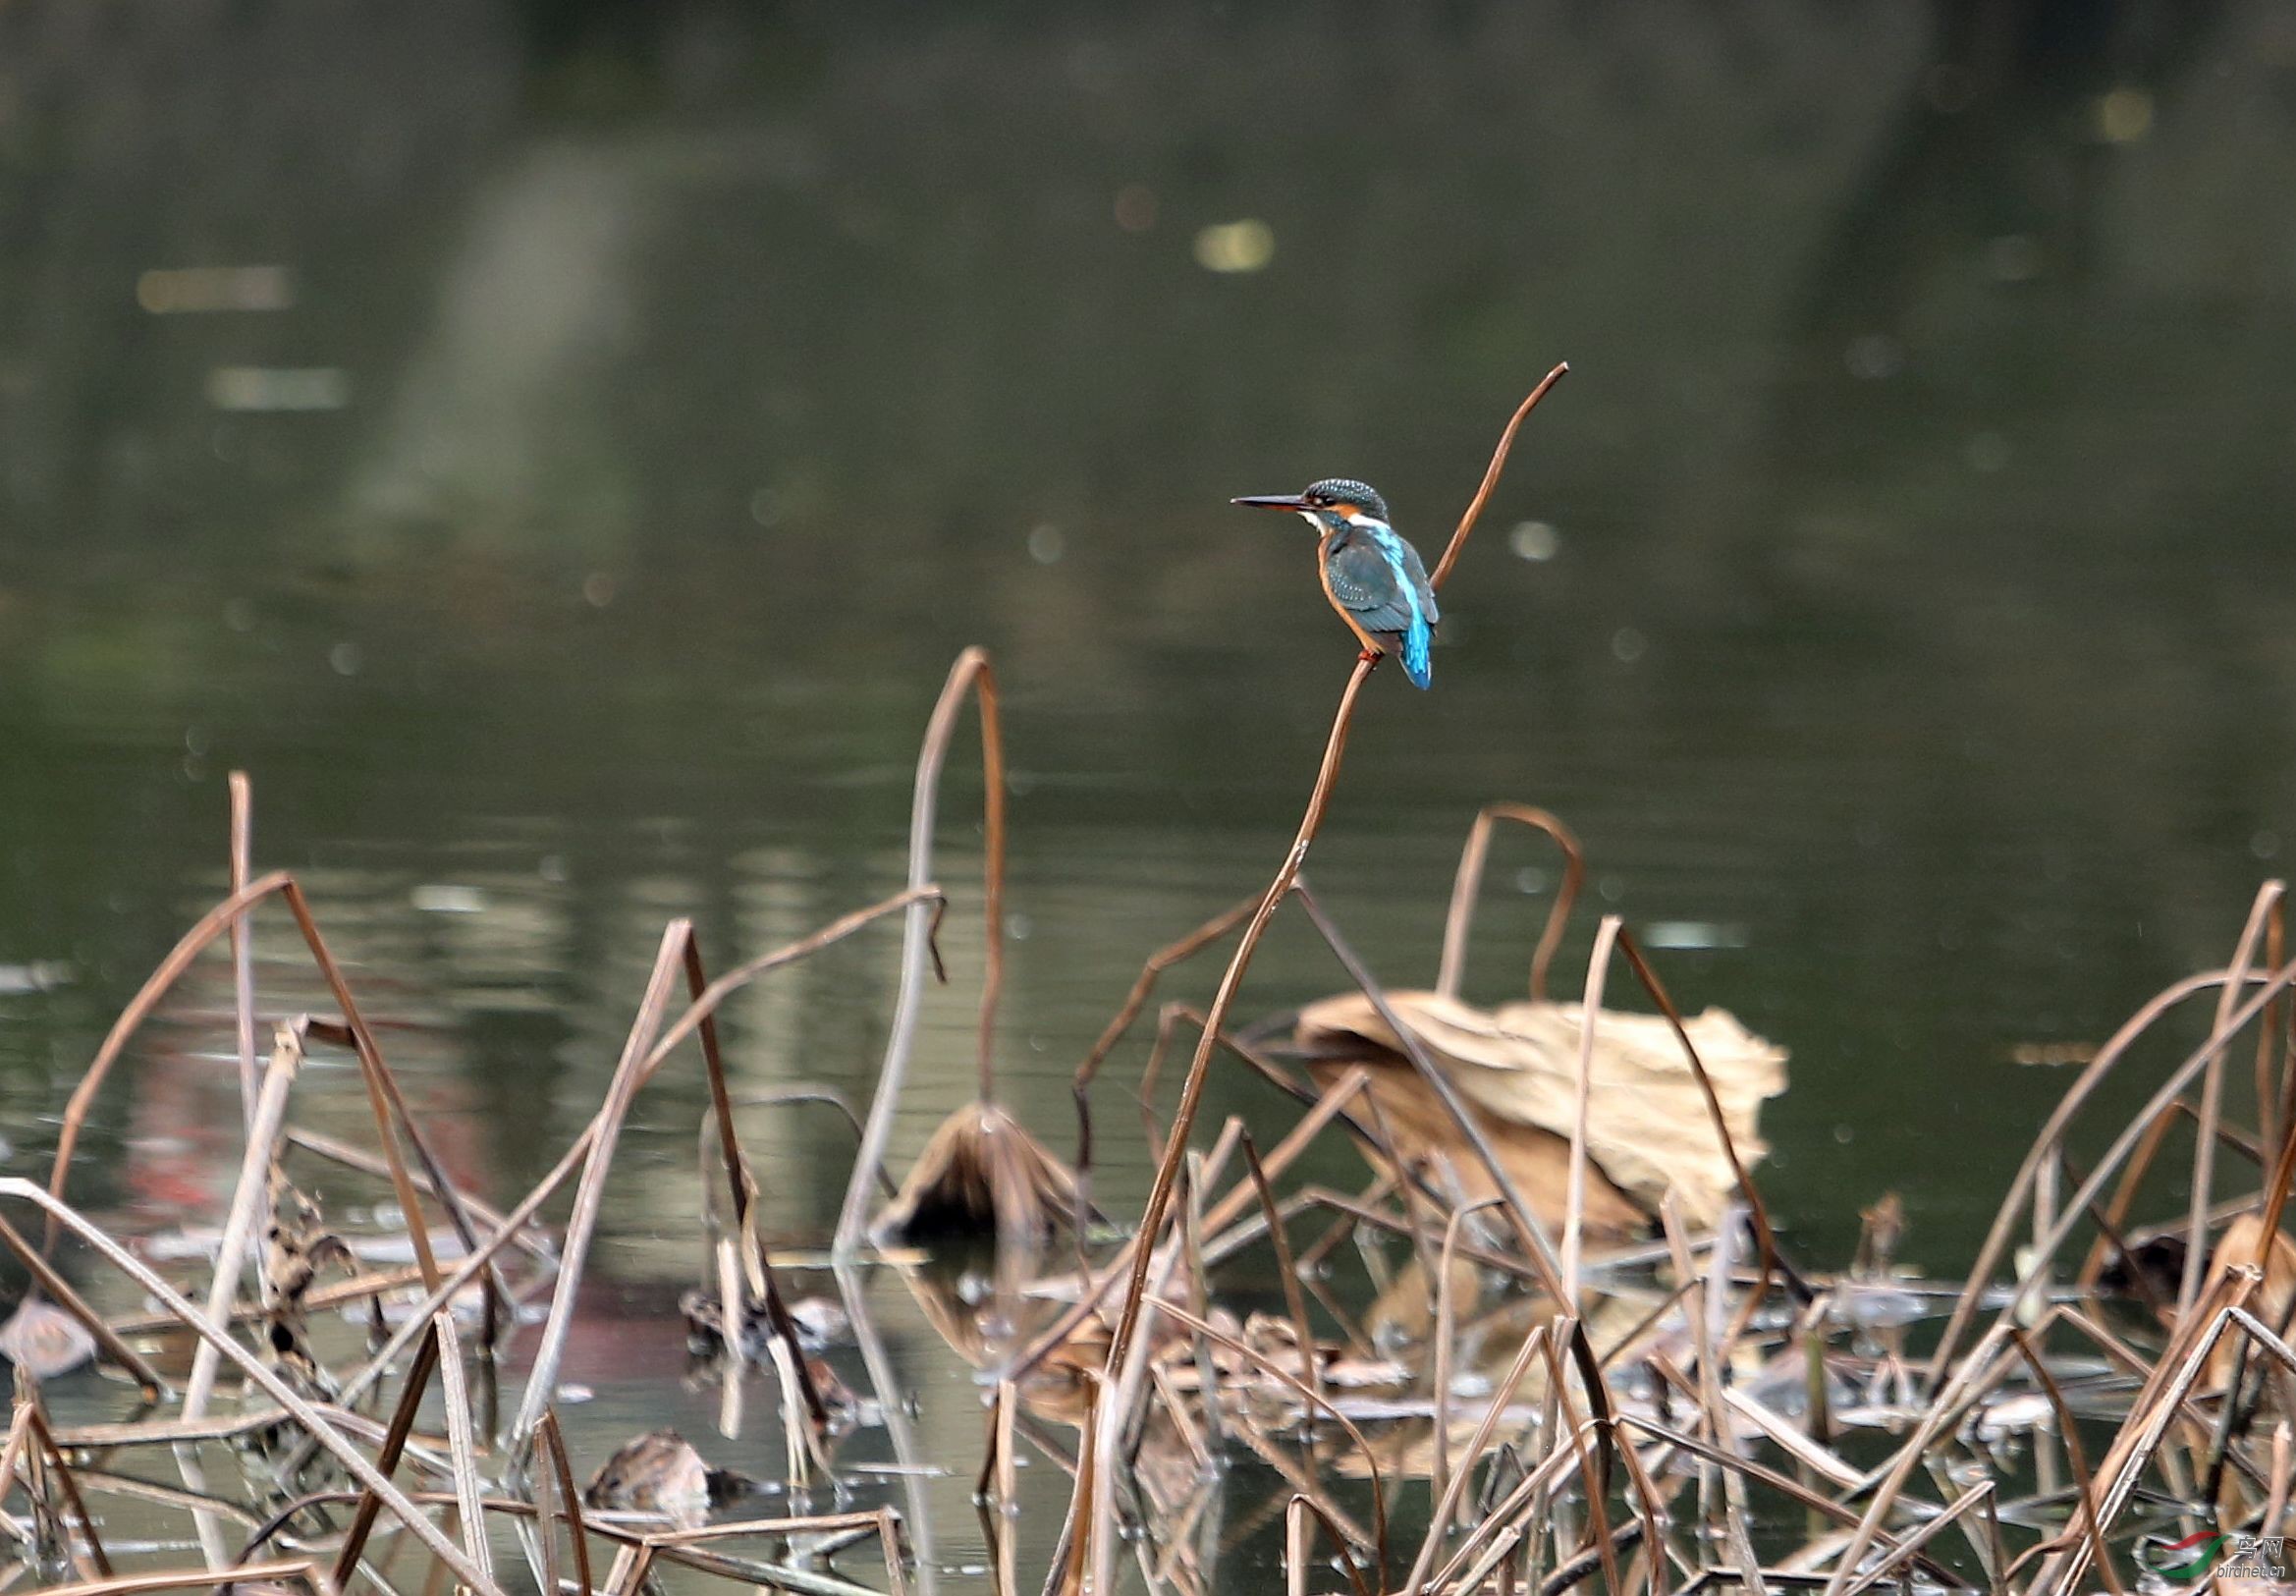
x: 1895, y: 597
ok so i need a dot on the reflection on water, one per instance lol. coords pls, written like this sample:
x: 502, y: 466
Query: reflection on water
x: 613, y: 418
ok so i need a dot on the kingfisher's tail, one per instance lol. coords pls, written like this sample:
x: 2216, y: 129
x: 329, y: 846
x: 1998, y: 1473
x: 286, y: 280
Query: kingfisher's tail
x: 1418, y: 661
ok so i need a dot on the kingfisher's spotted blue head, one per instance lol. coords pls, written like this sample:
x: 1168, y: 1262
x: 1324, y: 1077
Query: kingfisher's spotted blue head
x: 1328, y: 505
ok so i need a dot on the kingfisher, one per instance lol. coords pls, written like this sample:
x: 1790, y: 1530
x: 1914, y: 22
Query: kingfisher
x: 1372, y: 577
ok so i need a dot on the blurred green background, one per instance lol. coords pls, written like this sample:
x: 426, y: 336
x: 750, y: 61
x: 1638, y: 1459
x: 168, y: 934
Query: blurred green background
x: 558, y: 448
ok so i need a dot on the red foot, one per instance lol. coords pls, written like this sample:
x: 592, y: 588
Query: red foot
x: 1366, y: 656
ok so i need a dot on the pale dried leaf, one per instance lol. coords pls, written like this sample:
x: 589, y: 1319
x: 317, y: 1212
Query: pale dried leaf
x: 655, y: 1473
x: 1648, y: 1129
x: 1425, y: 1136
x: 44, y: 1340
x: 981, y: 1174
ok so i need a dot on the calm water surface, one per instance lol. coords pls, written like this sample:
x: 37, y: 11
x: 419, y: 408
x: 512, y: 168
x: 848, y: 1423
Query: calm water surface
x: 642, y: 405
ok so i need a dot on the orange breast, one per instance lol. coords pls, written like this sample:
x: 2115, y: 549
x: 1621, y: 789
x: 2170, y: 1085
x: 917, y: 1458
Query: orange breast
x: 1323, y: 571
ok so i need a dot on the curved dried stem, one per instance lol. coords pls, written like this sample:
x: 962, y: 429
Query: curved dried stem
x: 1582, y: 1102
x: 591, y: 1194
x: 1299, y: 1538
x: 1469, y: 884
x: 210, y: 925
x: 1774, y: 1264
x: 1287, y: 1270
x: 1491, y: 472
x: 970, y: 674
x: 1168, y: 1168
x: 555, y: 1443
x: 758, y: 1276
x: 2203, y: 1155
x: 2084, y: 1484
x: 242, y: 965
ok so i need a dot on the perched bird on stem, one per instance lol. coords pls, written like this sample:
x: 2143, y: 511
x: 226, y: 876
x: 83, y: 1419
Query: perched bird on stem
x: 1371, y: 576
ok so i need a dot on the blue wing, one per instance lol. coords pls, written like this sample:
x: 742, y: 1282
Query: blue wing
x: 1380, y: 579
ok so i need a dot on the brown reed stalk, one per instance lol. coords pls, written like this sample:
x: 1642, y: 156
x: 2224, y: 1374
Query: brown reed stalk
x: 1773, y: 1263
x: 384, y: 1099
x: 382, y: 1089
x: 590, y: 1194
x: 1592, y: 1468
x: 2203, y: 1155
x: 2240, y: 1409
x: 2115, y: 1213
x: 1197, y: 1273
x: 2277, y: 1186
x: 2141, y: 1433
x: 60, y: 1470
x: 2089, y: 1523
x: 189, y: 946
x: 1978, y: 1495
x: 2276, y: 1504
x: 247, y: 1204
x: 1467, y: 886
x: 743, y: 1192
x: 336, y: 1151
x: 1446, y: 1319
x: 243, y: 963
x: 1288, y: 1273
x: 1700, y: 1310
x: 1343, y: 1228
x: 1354, y: 1212
x: 1796, y: 1443
x: 1218, y: 1217
x: 362, y: 1518
x: 970, y: 673
x: 248, y: 1574
x: 1299, y: 1537
x: 554, y: 1443
x: 1762, y: 1474
x: 102, y: 1482
x: 461, y: 1444
x: 1574, y: 1191
x: 682, y: 1546
x: 1503, y: 1516
x: 2046, y: 1245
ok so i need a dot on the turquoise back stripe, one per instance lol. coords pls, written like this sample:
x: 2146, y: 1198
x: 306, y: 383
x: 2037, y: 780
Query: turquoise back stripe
x: 1416, y: 636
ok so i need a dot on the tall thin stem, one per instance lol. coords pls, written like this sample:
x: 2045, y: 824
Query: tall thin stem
x: 970, y: 672
x: 1318, y: 800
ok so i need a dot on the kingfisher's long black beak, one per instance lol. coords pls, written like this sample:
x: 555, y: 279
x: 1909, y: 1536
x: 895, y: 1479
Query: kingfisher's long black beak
x: 1272, y: 501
